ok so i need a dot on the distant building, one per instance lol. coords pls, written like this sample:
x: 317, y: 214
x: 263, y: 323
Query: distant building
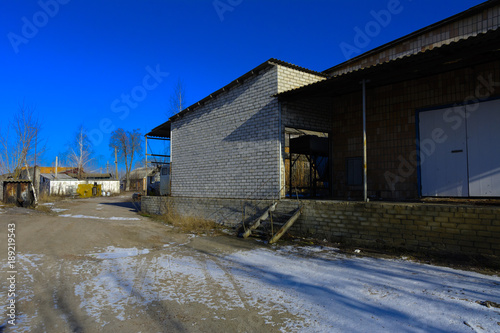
x: 144, y: 178
x: 65, y: 184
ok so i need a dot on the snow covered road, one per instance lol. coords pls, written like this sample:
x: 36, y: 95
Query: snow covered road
x: 291, y: 289
x: 126, y: 275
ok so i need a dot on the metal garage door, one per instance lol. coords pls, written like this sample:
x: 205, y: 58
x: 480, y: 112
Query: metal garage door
x: 483, y: 140
x: 460, y: 151
x: 443, y: 153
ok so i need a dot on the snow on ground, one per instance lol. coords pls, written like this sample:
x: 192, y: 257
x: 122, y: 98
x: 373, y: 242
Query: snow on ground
x: 296, y: 289
x: 58, y: 210
x: 115, y: 218
x: 327, y: 291
x: 114, y: 253
x: 27, y: 264
x: 364, y: 294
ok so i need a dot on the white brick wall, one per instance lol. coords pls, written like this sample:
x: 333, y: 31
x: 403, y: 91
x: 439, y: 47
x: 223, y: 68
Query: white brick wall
x: 230, y: 147
x: 227, y: 147
x: 289, y: 78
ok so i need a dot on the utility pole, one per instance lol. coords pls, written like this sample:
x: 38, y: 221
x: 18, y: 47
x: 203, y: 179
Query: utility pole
x: 116, y: 164
x: 36, y: 140
x: 146, y: 167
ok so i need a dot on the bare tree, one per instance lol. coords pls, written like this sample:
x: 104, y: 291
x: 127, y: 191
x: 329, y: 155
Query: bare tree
x: 140, y: 163
x: 23, y: 145
x: 177, y: 99
x: 128, y: 145
x: 80, y: 151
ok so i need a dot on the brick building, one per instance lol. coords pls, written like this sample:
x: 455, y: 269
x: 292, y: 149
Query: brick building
x: 431, y: 114
x: 228, y: 145
x: 430, y: 106
x: 422, y: 93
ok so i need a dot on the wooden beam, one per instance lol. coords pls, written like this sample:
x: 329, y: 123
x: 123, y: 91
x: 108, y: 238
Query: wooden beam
x: 287, y: 226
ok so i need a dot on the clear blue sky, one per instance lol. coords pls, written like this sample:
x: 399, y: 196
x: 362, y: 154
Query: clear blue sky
x: 74, y: 60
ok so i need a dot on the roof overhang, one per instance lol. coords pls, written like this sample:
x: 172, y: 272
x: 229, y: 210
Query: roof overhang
x: 465, y: 53
x: 162, y: 131
x: 433, y: 27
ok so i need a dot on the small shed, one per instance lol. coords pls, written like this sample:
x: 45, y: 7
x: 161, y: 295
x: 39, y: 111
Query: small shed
x: 18, y: 192
x: 62, y: 184
x: 144, y: 178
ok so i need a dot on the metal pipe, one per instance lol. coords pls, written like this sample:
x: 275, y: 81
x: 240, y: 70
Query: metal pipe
x: 280, y: 147
x: 365, y: 181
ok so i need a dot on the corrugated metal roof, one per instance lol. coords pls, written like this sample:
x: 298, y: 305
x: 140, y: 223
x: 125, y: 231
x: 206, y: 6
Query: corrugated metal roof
x: 140, y: 173
x: 16, y: 181
x: 90, y: 176
x: 60, y: 176
x: 379, y: 49
x: 481, y: 48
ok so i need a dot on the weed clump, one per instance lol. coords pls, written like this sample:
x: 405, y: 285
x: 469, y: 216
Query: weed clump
x: 189, y: 223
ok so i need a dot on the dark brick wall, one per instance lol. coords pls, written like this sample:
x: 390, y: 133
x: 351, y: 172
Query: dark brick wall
x: 412, y: 226
x: 391, y: 128
x: 432, y: 228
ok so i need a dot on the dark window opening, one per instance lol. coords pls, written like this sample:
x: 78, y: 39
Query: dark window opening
x: 354, y: 171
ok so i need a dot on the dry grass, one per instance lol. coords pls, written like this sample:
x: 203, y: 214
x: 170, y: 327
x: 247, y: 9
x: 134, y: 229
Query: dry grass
x: 45, y: 198
x: 42, y: 208
x: 189, y: 223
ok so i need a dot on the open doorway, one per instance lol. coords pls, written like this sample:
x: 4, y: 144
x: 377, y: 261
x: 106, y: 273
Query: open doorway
x: 307, y: 163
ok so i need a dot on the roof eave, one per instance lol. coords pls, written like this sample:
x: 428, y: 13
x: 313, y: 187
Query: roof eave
x: 470, y: 11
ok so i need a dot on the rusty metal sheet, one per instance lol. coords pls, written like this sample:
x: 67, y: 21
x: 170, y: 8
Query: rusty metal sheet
x: 18, y: 192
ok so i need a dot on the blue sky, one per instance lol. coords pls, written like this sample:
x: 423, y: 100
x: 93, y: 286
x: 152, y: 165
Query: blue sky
x: 76, y: 61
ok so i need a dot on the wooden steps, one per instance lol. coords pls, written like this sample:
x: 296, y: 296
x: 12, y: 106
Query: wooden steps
x: 271, y: 225
x: 256, y: 223
x: 285, y: 227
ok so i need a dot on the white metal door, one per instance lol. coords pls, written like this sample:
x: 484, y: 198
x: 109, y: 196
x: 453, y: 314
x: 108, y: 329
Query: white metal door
x: 483, y: 132
x: 443, y: 153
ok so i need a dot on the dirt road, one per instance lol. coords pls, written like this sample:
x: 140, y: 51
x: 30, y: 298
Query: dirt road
x: 95, y: 265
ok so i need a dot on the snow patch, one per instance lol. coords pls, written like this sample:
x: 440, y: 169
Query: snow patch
x: 101, y: 218
x: 311, y: 288
x: 294, y: 289
x: 115, y: 253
